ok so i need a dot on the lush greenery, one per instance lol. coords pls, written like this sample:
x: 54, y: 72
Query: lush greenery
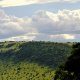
x: 71, y: 69
x: 31, y: 60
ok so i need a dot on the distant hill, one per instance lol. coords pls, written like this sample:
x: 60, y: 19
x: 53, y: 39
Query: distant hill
x: 31, y: 60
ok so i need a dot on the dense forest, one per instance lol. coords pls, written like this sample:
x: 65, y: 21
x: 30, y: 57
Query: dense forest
x: 32, y: 60
x: 70, y: 70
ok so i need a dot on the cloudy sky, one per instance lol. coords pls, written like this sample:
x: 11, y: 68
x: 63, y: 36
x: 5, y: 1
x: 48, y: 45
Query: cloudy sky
x: 40, y: 20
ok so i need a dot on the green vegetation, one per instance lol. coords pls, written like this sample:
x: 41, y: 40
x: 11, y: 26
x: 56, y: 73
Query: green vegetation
x: 31, y: 60
x: 71, y: 69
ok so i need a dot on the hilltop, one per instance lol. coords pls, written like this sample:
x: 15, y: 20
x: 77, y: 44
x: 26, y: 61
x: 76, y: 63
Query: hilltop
x: 31, y: 60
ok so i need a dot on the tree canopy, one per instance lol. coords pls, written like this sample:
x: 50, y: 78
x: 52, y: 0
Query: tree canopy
x: 71, y: 69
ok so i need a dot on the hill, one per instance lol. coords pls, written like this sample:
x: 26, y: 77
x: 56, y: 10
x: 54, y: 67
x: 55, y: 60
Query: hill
x: 70, y: 70
x: 31, y: 60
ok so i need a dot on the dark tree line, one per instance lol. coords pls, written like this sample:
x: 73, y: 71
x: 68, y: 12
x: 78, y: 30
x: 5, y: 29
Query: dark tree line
x: 71, y: 69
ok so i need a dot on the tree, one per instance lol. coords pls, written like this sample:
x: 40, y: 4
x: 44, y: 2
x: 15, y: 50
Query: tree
x: 71, y: 67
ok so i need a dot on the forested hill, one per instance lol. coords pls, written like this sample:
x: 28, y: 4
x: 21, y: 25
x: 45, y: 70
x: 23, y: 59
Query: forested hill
x: 44, y: 53
x: 31, y: 60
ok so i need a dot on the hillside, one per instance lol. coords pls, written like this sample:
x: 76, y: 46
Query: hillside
x: 31, y: 60
x: 70, y: 70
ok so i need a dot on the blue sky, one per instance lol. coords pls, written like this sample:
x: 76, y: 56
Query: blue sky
x: 46, y: 20
x: 28, y: 10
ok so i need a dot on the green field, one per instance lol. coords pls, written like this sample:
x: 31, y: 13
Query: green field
x: 31, y: 60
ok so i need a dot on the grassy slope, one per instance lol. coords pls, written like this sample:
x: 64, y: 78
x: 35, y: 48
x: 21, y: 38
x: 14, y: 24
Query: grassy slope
x: 31, y: 60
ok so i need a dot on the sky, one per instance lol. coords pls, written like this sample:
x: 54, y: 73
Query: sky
x: 40, y: 20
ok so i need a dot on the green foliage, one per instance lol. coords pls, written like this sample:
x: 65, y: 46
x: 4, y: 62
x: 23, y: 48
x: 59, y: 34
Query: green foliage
x: 71, y: 67
x: 31, y: 60
x: 25, y: 71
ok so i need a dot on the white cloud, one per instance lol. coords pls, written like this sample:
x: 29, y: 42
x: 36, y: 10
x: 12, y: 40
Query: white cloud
x: 63, y: 22
x: 43, y: 25
x: 19, y: 38
x: 7, y: 3
x: 11, y: 26
x: 65, y: 36
x: 68, y: 36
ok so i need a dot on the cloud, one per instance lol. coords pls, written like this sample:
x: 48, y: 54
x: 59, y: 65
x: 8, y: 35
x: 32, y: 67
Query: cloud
x: 42, y: 37
x: 65, y: 36
x: 63, y: 22
x: 62, y: 38
x: 11, y: 26
x: 42, y: 25
x: 19, y: 38
x: 7, y: 3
